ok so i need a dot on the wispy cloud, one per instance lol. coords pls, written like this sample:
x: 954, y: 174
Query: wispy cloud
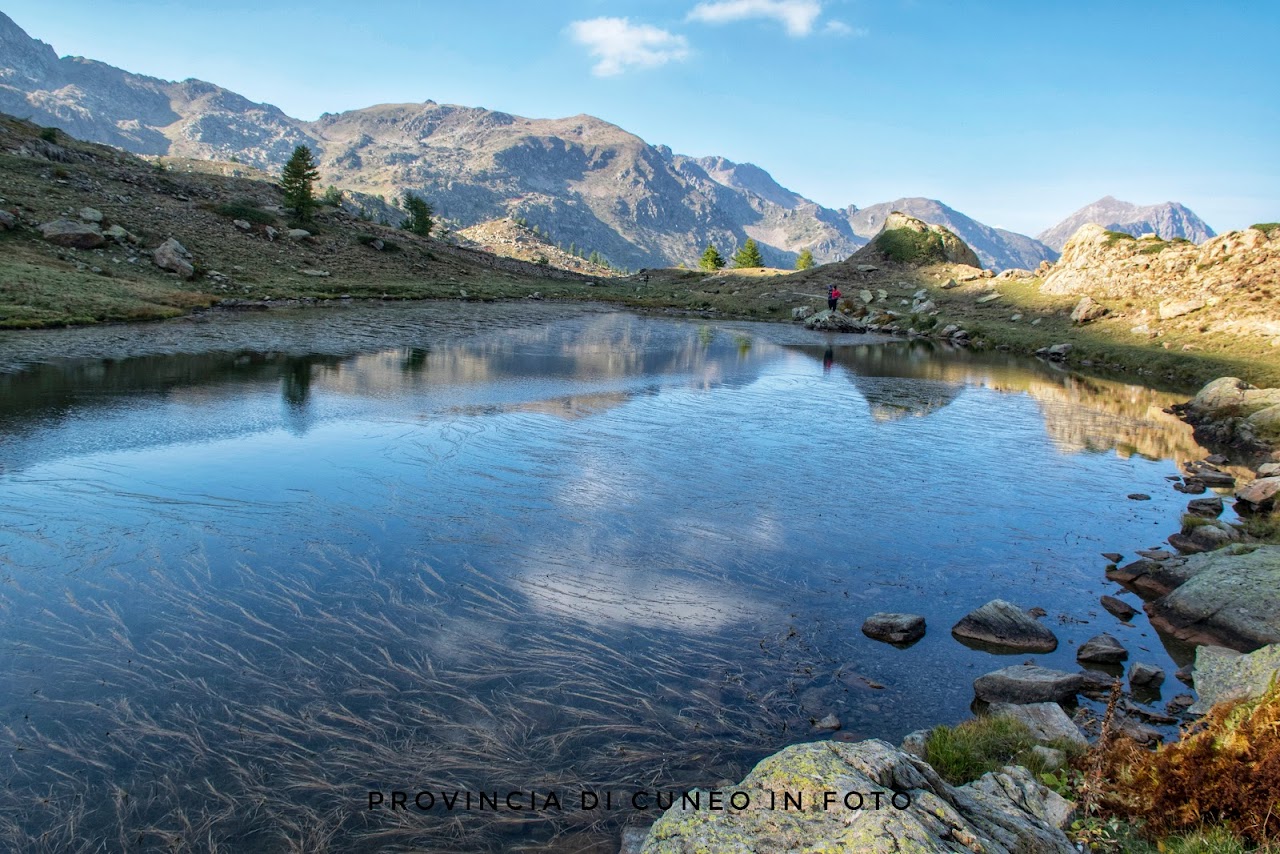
x: 797, y: 16
x: 840, y: 28
x: 618, y: 44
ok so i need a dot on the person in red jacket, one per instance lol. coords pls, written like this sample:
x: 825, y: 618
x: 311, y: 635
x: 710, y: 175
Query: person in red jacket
x: 833, y: 296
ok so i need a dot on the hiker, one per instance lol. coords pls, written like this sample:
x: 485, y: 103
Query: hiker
x: 833, y: 297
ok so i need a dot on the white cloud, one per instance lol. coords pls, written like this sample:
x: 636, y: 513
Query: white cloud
x: 840, y: 28
x: 797, y: 16
x: 619, y: 44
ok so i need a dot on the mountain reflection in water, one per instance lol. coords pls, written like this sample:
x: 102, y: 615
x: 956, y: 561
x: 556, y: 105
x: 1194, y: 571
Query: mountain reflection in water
x: 257, y: 567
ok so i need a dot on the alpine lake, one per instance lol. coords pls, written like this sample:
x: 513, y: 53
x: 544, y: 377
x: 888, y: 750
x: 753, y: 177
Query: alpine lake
x: 260, y: 570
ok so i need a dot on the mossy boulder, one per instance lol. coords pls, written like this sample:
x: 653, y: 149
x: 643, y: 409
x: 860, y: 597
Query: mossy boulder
x: 908, y: 240
x: 1001, y: 813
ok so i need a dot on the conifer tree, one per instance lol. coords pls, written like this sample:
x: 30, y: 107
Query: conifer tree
x: 297, y: 181
x: 805, y: 261
x: 419, y: 220
x: 748, y: 256
x: 710, y: 259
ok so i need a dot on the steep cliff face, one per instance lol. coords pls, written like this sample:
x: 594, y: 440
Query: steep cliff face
x: 1226, y: 284
x: 1169, y: 220
x: 997, y: 248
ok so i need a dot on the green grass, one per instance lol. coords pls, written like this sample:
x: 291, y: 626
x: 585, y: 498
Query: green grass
x: 1115, y: 236
x: 968, y: 750
x: 1154, y: 247
x: 38, y: 296
x: 1265, y: 226
x: 911, y: 247
x: 245, y: 209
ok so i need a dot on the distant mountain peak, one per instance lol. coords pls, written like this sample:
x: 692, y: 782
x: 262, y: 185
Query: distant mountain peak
x: 1167, y: 220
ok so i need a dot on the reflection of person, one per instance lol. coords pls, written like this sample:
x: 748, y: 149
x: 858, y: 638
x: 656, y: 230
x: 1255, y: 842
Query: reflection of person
x: 833, y: 297
x: 828, y: 358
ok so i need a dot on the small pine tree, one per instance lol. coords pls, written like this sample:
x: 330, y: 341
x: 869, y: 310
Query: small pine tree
x: 805, y: 261
x: 710, y: 259
x: 332, y: 197
x: 748, y: 256
x: 419, y: 220
x: 595, y: 258
x: 297, y: 181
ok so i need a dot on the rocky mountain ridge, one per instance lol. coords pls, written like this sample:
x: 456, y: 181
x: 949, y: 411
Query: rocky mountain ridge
x: 1167, y: 220
x: 581, y: 179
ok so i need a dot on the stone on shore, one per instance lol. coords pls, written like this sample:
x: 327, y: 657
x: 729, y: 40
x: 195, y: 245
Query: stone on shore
x: 1088, y: 310
x: 833, y: 321
x: 1027, y: 683
x: 1223, y: 674
x: 72, y: 234
x: 1004, y: 812
x: 1229, y: 597
x: 1102, y: 649
x: 1004, y: 625
x: 1047, y: 721
x: 1261, y: 493
x: 1209, y: 508
x: 894, y: 628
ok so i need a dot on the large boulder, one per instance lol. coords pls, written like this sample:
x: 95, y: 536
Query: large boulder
x: 1004, y: 812
x: 1231, y: 597
x: 1028, y: 683
x: 1263, y: 426
x: 174, y: 257
x: 1088, y: 310
x: 894, y: 628
x: 1231, y: 396
x: 1223, y: 674
x: 833, y: 321
x: 1005, y: 626
x: 72, y: 234
x: 8, y: 221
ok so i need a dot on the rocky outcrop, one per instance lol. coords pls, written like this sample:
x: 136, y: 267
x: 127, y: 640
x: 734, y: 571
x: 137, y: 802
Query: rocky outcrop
x: 1223, y: 674
x: 1169, y: 220
x: 894, y: 628
x: 1228, y: 598
x: 1005, y: 626
x: 1002, y: 813
x: 1223, y: 284
x: 1230, y: 411
x: 907, y: 240
x: 996, y: 248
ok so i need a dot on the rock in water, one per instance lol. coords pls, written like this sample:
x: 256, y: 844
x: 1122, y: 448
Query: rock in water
x: 1102, y: 649
x: 1004, y: 812
x: 1121, y: 609
x: 1145, y: 675
x: 1003, y: 624
x: 1027, y: 683
x: 894, y: 628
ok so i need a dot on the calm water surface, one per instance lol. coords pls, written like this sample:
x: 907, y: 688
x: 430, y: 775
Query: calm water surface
x: 254, y: 568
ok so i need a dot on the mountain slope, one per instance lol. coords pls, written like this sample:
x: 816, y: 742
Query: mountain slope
x: 580, y: 179
x: 1166, y: 220
x: 997, y: 248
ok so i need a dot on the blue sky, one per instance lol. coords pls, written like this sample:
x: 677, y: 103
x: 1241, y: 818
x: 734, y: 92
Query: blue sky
x: 1016, y: 113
